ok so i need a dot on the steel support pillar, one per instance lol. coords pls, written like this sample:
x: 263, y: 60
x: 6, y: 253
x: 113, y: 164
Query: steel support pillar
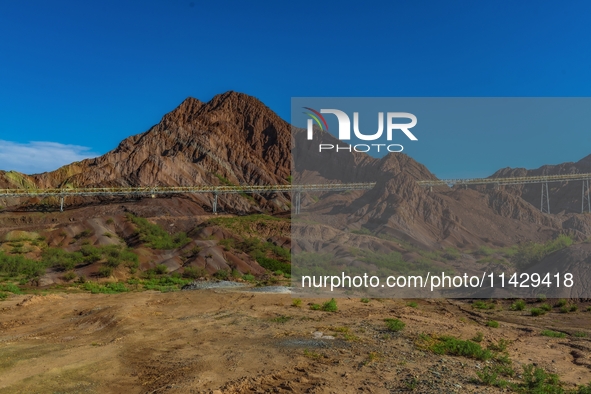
x: 298, y: 202
x: 545, y: 201
x: 586, y: 198
x: 215, y: 203
x: 62, y: 204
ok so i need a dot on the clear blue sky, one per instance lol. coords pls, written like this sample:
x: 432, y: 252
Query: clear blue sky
x: 77, y: 77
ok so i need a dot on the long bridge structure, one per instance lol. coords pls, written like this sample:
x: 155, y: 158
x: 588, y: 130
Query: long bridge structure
x: 542, y: 179
x: 298, y: 189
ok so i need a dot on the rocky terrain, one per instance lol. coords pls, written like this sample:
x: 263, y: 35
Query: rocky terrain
x: 213, y: 341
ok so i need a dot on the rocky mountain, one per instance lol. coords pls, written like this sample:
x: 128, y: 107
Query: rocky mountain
x: 232, y: 139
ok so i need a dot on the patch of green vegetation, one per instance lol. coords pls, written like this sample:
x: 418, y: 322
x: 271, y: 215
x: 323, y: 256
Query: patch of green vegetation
x: 281, y: 319
x: 500, y: 346
x: 18, y: 266
x: 362, y: 231
x: 11, y: 288
x: 492, y: 324
x: 482, y: 305
x: 365, y: 300
x: 484, y: 251
x: 330, y: 306
x: 395, y: 325
x: 456, y: 347
x: 164, y: 283
x: 69, y: 276
x: 451, y: 253
x: 518, y: 305
x: 412, y: 304
x: 553, y: 334
x: 155, y: 236
x: 248, y: 277
x: 580, y: 334
x: 546, y: 307
x: 296, y: 302
x: 222, y: 274
x: 20, y: 180
x: 537, y: 311
x: 531, y: 253
x: 194, y: 272
x: 560, y: 303
x: 83, y: 234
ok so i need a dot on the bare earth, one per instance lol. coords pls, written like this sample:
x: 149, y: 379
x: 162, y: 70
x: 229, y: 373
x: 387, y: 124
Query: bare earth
x: 238, y: 342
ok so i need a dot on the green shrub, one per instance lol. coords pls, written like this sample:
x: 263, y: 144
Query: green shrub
x: 248, y: 277
x: 546, y: 307
x: 3, y: 296
x: 84, y: 234
x: 330, y: 306
x: 155, y: 237
x: 482, y: 305
x: 105, y: 271
x: 281, y: 319
x: 564, y: 309
x: 531, y: 253
x: 560, y: 303
x: 194, y: 272
x: 500, y: 346
x: 580, y: 334
x: 227, y: 243
x: 457, y: 347
x: 485, y: 251
x: 553, y: 334
x: 573, y: 308
x: 222, y: 275
x: 451, y: 253
x: 68, y: 276
x: 518, y: 305
x: 537, y: 311
x: 296, y: 302
x: 492, y: 324
x: 160, y: 269
x: 315, y: 307
x: 365, y: 300
x: 11, y: 287
x: 395, y: 324
x: 412, y: 304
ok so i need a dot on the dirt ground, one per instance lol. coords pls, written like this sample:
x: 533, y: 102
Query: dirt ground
x: 214, y: 341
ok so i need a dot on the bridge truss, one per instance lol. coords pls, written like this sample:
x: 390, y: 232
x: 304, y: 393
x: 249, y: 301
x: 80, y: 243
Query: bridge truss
x: 297, y: 190
x: 542, y: 179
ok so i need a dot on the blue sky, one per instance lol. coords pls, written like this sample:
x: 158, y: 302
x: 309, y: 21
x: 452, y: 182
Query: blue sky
x: 78, y: 77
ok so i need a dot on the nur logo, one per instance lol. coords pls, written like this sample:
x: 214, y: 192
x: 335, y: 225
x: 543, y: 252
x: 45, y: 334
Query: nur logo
x: 345, y: 129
